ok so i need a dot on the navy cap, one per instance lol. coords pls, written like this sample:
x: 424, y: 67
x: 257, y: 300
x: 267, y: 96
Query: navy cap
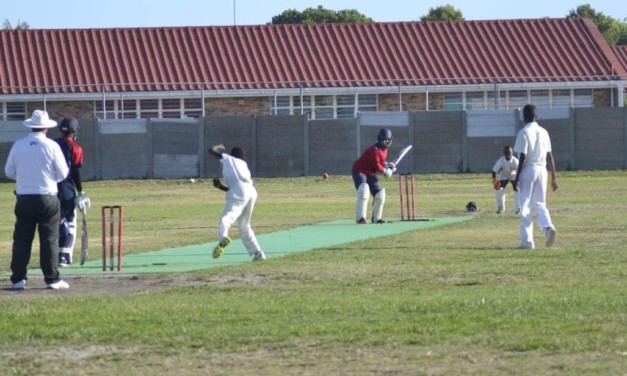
x: 68, y: 125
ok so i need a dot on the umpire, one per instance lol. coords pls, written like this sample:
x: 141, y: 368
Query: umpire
x: 37, y: 164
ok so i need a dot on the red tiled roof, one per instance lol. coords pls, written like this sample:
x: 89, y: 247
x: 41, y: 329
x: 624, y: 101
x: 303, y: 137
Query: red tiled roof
x: 621, y: 53
x: 323, y: 55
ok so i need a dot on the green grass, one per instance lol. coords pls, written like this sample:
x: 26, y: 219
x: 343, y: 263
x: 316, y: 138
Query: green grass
x: 450, y: 300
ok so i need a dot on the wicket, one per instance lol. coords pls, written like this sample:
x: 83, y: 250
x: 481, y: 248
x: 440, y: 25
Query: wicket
x: 111, y: 210
x: 407, y: 192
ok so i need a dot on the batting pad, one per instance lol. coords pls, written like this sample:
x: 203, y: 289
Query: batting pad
x: 276, y: 244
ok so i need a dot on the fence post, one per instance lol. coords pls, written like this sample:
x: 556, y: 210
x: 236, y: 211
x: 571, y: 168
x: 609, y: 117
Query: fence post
x: 624, y: 137
x: 202, y: 148
x: 572, y: 139
x: 306, y: 146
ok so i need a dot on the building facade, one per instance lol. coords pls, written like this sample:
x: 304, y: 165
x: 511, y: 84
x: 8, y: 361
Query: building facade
x: 324, y: 71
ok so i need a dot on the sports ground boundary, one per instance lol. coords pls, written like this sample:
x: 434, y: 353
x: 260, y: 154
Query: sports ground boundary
x: 276, y: 244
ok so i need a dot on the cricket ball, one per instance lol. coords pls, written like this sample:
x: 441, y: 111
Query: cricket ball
x: 325, y: 176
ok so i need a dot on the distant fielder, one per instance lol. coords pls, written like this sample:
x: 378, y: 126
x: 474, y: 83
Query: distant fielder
x: 504, y: 172
x: 364, y: 172
x: 240, y: 201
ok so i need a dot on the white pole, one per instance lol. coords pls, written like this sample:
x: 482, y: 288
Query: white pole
x: 234, y: 23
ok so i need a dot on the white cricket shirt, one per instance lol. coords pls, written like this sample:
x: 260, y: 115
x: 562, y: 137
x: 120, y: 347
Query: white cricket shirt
x: 37, y: 164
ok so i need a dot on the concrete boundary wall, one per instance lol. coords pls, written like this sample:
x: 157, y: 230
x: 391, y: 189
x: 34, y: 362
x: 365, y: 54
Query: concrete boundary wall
x: 289, y: 146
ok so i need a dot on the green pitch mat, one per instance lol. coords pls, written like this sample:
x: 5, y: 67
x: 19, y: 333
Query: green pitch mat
x: 281, y: 243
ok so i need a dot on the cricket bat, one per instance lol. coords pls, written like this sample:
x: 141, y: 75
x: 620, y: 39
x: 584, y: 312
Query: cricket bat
x: 84, y: 237
x: 400, y: 155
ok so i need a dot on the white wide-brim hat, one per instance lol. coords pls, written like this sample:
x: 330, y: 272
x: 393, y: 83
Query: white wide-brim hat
x: 39, y: 120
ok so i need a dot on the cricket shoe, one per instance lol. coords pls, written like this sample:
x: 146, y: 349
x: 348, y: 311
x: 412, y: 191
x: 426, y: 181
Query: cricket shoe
x: 60, y: 284
x: 529, y: 247
x: 362, y: 221
x: 219, y: 249
x: 379, y: 221
x: 549, y: 236
x: 259, y: 256
x: 19, y: 285
x: 499, y: 211
x: 65, y: 259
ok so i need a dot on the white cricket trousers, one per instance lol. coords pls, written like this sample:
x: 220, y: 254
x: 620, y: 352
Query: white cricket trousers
x: 240, y: 210
x: 532, y: 196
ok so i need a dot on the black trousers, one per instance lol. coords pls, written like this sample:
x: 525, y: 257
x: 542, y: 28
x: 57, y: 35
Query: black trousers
x: 42, y: 213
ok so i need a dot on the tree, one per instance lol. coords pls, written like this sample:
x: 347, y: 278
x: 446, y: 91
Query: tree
x: 319, y: 15
x: 614, y: 31
x: 443, y: 13
x: 21, y: 25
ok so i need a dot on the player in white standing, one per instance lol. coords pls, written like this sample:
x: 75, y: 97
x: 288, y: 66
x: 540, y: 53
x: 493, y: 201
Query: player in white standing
x: 241, y: 196
x: 533, y: 146
x: 364, y: 173
x: 36, y: 163
x: 504, y: 172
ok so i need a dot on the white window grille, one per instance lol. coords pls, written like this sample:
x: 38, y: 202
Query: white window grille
x: 173, y: 108
x: 323, y: 106
x: 13, y: 111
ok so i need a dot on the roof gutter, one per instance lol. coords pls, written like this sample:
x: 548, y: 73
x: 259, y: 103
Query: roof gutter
x: 619, y: 85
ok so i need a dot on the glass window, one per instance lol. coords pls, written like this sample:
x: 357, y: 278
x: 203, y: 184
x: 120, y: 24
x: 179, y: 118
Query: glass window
x: 306, y: 105
x: 453, y: 102
x: 149, y: 108
x: 192, y: 107
x: 367, y: 100
x: 583, y: 98
x: 494, y: 103
x: 128, y: 109
x: 475, y: 100
x: 540, y: 98
x: 324, y: 106
x: 110, y: 109
x: 283, y: 111
x: 345, y: 100
x: 561, y: 98
x: 306, y: 101
x: 280, y: 105
x: 517, y: 99
x: 324, y: 100
x: 171, y: 104
x: 282, y: 101
x: 367, y: 109
x: 346, y: 112
x: 171, y: 108
x: 345, y: 106
x: 324, y: 113
x: 15, y: 111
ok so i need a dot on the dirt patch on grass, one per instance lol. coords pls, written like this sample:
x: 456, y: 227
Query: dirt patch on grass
x: 83, y: 286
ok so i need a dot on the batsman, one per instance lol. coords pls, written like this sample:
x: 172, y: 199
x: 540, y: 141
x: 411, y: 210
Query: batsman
x: 365, y: 169
x: 68, y: 189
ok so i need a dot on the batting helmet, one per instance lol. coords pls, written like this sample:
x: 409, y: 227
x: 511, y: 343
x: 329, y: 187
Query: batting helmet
x: 471, y: 206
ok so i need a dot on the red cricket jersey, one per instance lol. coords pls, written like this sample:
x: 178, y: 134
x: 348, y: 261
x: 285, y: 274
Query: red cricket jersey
x: 371, y: 160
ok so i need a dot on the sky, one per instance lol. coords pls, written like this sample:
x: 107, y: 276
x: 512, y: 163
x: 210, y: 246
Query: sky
x: 79, y: 14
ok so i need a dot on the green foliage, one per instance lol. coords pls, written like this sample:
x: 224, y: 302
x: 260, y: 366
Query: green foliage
x: 443, y: 13
x: 614, y: 31
x: 20, y: 25
x: 319, y: 15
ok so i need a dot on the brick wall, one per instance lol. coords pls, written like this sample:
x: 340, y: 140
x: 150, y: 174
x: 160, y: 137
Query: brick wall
x: 601, y: 98
x: 237, y: 106
x: 59, y: 110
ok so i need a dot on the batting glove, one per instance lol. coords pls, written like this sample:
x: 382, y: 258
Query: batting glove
x: 388, y: 172
x: 82, y: 201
